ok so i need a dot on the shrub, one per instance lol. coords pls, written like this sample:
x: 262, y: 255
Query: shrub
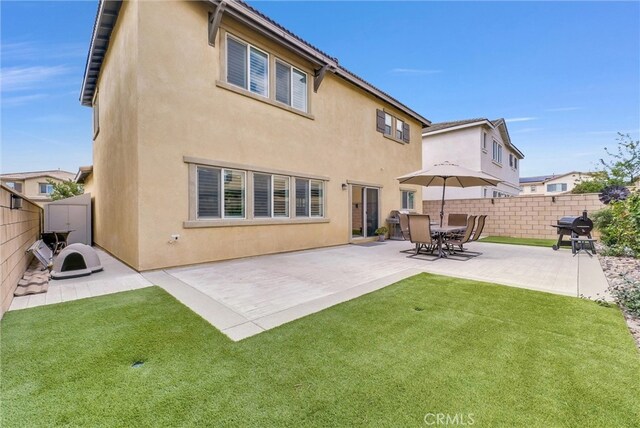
x: 619, y: 225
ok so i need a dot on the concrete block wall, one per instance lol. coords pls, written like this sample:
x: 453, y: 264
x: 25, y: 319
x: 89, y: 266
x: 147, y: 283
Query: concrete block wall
x: 19, y: 229
x: 522, y: 216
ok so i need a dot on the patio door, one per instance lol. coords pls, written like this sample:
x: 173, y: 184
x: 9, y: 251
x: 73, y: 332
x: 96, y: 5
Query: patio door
x: 365, y: 211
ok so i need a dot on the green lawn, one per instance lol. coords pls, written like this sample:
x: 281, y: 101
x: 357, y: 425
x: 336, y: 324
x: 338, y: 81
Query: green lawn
x: 519, y: 241
x: 428, y: 344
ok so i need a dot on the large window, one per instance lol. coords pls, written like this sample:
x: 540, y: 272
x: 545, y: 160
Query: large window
x: 497, y: 152
x: 309, y: 198
x: 291, y: 86
x: 46, y: 188
x: 408, y: 200
x: 270, y: 195
x: 220, y: 191
x: 557, y: 187
x: 223, y: 193
x: 247, y: 67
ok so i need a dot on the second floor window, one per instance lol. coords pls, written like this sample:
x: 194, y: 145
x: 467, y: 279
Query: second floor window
x: 388, y: 122
x: 46, y: 188
x: 399, y: 129
x: 291, y: 86
x: 497, y: 152
x: 247, y: 67
x: 484, y: 141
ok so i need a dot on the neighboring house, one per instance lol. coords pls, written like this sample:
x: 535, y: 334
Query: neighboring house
x: 477, y: 144
x: 219, y: 134
x: 35, y: 185
x: 552, y: 184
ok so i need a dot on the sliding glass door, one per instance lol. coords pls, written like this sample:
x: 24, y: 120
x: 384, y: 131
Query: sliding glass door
x: 365, y: 211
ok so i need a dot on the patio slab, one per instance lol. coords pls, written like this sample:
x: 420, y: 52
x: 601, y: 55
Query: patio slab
x: 247, y: 296
x: 114, y: 278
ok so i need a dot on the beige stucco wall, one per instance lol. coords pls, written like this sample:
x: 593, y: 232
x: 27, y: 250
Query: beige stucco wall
x: 115, y: 184
x: 19, y: 228
x: 464, y: 147
x: 523, y: 216
x: 181, y: 111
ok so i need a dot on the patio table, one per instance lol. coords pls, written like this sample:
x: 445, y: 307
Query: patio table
x: 442, y: 231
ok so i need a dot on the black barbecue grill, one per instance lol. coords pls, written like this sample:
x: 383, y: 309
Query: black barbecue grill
x: 575, y: 227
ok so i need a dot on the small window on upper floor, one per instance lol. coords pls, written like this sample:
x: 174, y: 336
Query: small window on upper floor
x: 392, y: 127
x: 497, y: 152
x: 533, y: 188
x: 388, y: 123
x: 247, y: 66
x: 515, y: 162
x: 291, y: 86
x: 484, y: 141
x: 45, y: 188
x: 399, y: 129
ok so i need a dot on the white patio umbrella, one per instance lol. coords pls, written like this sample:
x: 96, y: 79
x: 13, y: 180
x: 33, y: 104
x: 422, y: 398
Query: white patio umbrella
x: 448, y: 174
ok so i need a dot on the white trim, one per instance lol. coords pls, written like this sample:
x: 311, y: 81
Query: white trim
x: 248, y: 66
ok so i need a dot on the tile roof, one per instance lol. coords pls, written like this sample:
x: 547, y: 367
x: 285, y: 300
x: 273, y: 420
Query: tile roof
x: 91, y: 72
x: 53, y: 173
x: 444, y: 125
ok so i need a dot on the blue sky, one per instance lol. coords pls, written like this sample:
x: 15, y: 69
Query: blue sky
x: 565, y: 75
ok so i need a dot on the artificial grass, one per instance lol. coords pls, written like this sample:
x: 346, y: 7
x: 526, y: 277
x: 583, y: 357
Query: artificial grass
x: 428, y: 344
x: 535, y: 242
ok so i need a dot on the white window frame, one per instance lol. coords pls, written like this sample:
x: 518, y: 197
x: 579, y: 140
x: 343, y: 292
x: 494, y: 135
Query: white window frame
x: 323, y: 199
x: 402, y: 198
x: 484, y: 142
x: 248, y: 66
x: 496, y: 154
x: 47, y: 186
x: 221, y: 194
x: 533, y: 189
x: 388, y: 116
x: 401, y: 130
x: 306, y: 75
x: 272, y: 213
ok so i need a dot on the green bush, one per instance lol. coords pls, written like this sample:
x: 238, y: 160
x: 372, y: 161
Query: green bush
x: 619, y: 225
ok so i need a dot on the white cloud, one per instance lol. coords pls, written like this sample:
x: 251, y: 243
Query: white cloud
x: 525, y: 130
x: 414, y: 71
x: 520, y: 119
x: 23, y: 78
x: 20, y: 100
x: 31, y: 51
x: 563, y: 109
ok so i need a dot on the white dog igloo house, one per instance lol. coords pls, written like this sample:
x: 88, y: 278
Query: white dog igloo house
x: 76, y: 260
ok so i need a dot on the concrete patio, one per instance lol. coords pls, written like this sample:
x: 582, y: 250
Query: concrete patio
x: 247, y: 296
x: 115, y: 277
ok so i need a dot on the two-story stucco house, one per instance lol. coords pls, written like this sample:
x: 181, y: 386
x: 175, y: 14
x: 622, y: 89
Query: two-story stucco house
x: 219, y: 134
x: 477, y: 144
x: 35, y: 185
x: 552, y: 184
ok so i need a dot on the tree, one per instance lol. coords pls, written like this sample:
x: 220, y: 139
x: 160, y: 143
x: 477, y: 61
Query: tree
x: 625, y: 162
x: 65, y: 189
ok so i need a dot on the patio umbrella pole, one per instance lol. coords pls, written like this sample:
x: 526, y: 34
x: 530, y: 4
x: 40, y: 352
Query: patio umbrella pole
x: 444, y: 186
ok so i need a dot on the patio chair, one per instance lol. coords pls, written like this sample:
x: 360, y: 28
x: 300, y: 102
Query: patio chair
x: 420, y: 232
x: 457, y: 219
x: 479, y: 228
x: 461, y: 239
x: 404, y: 226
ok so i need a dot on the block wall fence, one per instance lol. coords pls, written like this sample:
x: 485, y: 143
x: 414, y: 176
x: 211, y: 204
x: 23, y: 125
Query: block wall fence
x: 521, y: 216
x: 19, y: 228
